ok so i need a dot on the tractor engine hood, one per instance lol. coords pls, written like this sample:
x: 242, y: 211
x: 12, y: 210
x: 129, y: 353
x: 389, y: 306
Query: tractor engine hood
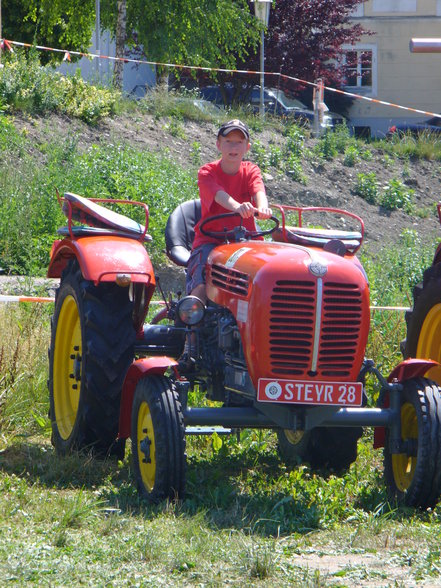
x: 303, y: 313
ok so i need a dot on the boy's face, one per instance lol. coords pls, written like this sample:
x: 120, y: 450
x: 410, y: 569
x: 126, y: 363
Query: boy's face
x: 233, y: 146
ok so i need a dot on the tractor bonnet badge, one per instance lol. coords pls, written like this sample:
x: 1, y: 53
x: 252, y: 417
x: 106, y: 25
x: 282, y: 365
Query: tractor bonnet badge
x: 317, y: 268
x: 273, y: 390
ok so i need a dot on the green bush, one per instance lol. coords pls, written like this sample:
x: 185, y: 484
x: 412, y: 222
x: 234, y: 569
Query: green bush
x: 28, y: 86
x: 351, y: 156
x: 295, y: 141
x: 366, y: 187
x: 397, y: 195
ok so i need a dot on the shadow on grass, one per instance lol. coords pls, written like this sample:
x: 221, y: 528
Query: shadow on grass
x: 250, y: 490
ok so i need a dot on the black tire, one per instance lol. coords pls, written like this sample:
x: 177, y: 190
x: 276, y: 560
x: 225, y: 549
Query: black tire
x: 158, y: 440
x: 424, y: 321
x: 92, y: 346
x: 333, y: 448
x: 414, y: 478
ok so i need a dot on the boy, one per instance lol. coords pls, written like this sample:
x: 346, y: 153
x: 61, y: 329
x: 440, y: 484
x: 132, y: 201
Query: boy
x: 228, y: 184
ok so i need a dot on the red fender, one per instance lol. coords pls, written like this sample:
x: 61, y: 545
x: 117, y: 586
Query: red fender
x: 406, y: 370
x: 102, y: 258
x: 411, y: 368
x: 141, y: 368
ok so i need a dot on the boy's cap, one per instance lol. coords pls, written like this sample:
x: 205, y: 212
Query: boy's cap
x: 234, y: 125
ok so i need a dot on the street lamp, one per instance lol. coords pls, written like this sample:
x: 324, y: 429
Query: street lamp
x: 262, y: 11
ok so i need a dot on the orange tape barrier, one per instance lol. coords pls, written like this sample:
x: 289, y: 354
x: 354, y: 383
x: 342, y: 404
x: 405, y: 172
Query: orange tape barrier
x: 5, y: 43
x: 7, y: 298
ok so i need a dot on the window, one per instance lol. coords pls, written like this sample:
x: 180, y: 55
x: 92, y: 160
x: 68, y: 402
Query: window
x: 360, y: 62
x: 394, y: 6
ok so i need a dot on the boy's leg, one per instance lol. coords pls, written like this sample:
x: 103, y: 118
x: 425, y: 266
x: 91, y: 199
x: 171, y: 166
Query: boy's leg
x: 196, y: 287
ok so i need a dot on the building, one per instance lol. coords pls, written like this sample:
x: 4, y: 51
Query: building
x: 382, y: 66
x: 136, y: 77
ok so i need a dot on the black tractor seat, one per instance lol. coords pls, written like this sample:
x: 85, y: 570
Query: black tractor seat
x: 179, y: 231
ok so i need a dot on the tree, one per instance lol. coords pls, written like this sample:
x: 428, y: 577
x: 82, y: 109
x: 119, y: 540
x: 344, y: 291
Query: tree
x: 120, y: 42
x: 209, y: 33
x: 64, y: 24
x: 305, y: 38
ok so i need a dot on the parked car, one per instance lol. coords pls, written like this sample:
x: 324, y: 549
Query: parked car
x: 431, y: 125
x: 276, y: 102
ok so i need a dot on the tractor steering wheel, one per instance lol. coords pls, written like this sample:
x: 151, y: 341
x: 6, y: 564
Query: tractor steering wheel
x: 239, y: 233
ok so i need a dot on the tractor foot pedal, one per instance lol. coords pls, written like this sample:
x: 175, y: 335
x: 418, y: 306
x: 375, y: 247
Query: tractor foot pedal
x: 207, y: 430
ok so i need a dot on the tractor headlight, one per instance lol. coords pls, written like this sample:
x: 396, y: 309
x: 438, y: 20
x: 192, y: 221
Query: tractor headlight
x: 190, y: 310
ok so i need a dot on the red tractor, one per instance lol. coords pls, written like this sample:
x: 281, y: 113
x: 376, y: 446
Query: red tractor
x: 280, y: 345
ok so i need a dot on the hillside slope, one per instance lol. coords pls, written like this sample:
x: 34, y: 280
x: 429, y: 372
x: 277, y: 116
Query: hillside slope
x: 328, y: 182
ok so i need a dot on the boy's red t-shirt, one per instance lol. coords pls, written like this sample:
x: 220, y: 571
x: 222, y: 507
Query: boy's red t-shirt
x: 242, y: 186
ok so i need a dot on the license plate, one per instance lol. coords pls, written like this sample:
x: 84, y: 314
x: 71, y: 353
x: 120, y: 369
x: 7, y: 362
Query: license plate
x: 307, y: 392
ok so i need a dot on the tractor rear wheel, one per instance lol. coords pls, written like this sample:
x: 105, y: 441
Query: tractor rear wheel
x: 413, y: 477
x: 424, y: 321
x: 92, y: 346
x: 158, y: 440
x: 332, y: 448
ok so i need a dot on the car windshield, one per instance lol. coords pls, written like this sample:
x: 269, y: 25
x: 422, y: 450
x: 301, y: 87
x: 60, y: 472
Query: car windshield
x: 286, y: 101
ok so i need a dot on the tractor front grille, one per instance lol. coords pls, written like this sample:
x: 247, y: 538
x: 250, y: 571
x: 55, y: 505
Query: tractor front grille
x: 293, y: 324
x: 230, y: 280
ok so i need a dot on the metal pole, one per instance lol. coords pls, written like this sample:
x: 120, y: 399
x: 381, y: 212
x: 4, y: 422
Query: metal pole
x: 262, y: 74
x: 97, y: 35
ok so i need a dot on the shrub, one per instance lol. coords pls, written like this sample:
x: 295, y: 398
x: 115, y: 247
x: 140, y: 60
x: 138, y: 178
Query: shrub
x: 397, y: 195
x: 294, y: 169
x: 28, y: 86
x: 259, y: 154
x: 295, y: 141
x: 351, y: 156
x: 366, y: 187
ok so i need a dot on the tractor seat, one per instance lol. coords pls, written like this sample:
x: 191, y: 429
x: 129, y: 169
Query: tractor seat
x: 310, y: 237
x: 179, y: 231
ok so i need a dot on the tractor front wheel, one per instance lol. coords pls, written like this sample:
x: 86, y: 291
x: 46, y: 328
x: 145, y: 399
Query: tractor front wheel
x: 413, y: 477
x: 158, y: 440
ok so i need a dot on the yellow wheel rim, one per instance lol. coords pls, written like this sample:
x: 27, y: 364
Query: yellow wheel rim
x: 429, y: 342
x: 146, y: 447
x: 404, y: 465
x: 294, y: 437
x: 67, y: 367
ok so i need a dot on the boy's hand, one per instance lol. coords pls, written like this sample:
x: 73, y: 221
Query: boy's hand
x: 264, y: 213
x: 246, y: 210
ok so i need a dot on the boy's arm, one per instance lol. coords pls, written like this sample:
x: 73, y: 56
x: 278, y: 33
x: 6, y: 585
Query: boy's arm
x: 246, y: 209
x: 263, y: 210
